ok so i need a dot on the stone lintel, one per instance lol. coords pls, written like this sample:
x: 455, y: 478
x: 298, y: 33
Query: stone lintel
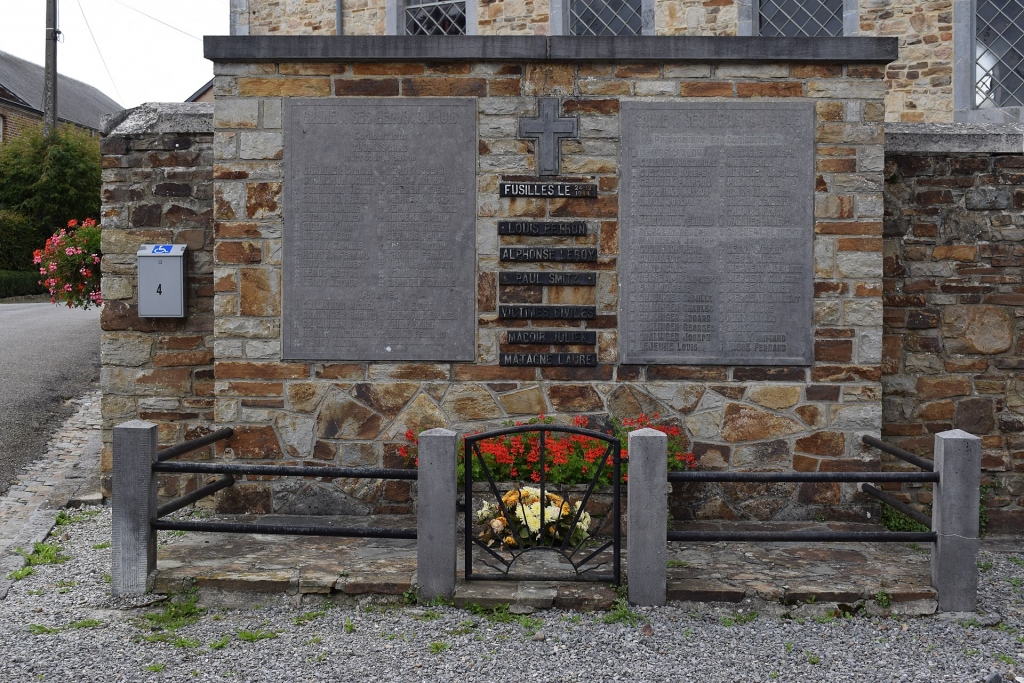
x: 555, y: 48
x: 161, y: 117
x: 948, y: 138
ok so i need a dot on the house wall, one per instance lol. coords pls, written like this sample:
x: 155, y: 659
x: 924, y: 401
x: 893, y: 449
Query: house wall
x: 16, y: 121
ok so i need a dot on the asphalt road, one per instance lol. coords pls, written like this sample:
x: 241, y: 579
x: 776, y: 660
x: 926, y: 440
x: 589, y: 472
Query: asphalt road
x: 48, y: 355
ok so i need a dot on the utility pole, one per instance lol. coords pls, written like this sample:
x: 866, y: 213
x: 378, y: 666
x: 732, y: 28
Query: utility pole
x: 50, y: 90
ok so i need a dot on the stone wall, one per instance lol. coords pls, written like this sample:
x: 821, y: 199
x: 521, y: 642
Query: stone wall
x: 732, y: 417
x: 920, y: 87
x: 157, y: 188
x: 954, y: 312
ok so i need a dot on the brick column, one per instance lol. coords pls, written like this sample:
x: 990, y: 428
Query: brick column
x: 134, y: 506
x: 647, y: 517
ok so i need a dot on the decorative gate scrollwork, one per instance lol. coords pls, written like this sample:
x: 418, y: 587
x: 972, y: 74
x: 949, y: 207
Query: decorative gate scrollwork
x: 543, y: 526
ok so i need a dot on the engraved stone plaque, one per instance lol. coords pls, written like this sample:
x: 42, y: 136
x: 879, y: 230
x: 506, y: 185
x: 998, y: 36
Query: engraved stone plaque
x: 379, y: 235
x: 717, y: 220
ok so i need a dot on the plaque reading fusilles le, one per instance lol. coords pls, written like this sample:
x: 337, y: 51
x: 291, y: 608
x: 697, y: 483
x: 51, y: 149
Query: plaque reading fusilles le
x: 529, y: 277
x: 717, y: 224
x: 379, y: 229
x: 543, y: 229
x: 547, y: 190
x: 563, y: 254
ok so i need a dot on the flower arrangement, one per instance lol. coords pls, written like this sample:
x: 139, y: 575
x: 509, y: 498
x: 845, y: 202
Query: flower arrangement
x: 70, y: 265
x: 570, y: 458
x: 521, y: 526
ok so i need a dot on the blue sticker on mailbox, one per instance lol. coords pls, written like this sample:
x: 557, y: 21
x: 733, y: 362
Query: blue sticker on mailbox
x: 162, y: 248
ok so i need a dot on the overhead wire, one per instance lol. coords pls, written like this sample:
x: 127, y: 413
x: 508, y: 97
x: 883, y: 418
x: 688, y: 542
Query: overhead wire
x: 194, y: 37
x: 99, y: 51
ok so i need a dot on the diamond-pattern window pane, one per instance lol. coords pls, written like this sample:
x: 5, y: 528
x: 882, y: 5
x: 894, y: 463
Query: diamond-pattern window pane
x: 793, y: 18
x: 999, y: 54
x: 605, y: 18
x: 436, y: 19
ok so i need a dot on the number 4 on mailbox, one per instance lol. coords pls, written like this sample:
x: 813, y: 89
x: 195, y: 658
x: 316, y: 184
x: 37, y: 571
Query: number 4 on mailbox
x: 162, y: 281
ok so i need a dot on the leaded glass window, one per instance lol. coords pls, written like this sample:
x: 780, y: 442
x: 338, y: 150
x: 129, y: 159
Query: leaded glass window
x: 605, y: 18
x: 800, y: 18
x: 999, y: 54
x: 435, y: 19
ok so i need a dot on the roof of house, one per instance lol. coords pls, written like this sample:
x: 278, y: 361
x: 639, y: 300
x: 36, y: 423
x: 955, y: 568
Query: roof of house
x: 202, y: 91
x: 76, y: 101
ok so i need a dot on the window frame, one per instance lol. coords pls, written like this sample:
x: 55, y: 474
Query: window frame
x: 559, y: 17
x: 394, y: 17
x: 749, y: 11
x: 965, y: 43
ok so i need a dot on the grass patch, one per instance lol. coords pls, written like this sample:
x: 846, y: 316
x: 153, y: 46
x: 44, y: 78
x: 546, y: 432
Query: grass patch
x: 498, y: 614
x: 428, y: 615
x: 738, y: 619
x: 155, y: 667
x: 1006, y: 659
x: 530, y: 624
x: 43, y: 553
x: 101, y: 546
x: 439, y: 646
x: 63, y: 518
x: 307, y: 617
x: 677, y: 563
x: 883, y: 598
x: 985, y: 566
x: 349, y: 626
x: 185, y: 642
x: 621, y: 614
x: 177, y: 614
x: 19, y: 574
x: 220, y: 644
x: 812, y: 658
x: 1019, y: 561
x: 257, y: 635
x: 86, y: 623
x: 39, y: 629
x: 315, y: 640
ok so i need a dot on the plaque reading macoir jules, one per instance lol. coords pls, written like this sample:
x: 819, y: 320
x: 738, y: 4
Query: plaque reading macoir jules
x: 717, y: 219
x: 379, y: 229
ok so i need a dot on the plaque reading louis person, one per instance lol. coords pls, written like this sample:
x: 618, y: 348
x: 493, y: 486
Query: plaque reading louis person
x: 717, y: 229
x: 379, y: 239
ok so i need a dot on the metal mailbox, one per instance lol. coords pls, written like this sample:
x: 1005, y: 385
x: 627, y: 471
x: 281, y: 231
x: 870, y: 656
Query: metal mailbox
x: 161, y: 281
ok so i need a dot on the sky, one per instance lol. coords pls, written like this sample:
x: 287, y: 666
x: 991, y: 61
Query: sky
x: 146, y: 61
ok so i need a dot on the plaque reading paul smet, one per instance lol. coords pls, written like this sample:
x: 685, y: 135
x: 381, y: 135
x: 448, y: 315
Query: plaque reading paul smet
x: 717, y: 216
x: 379, y: 237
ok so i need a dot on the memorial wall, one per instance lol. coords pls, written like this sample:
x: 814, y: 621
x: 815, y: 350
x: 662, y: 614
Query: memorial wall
x: 401, y: 245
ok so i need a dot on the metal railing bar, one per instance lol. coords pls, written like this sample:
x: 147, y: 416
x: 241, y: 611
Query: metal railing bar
x: 807, y: 536
x: 909, y: 511
x: 606, y: 577
x: 906, y: 456
x: 285, y: 470
x: 194, y: 444
x: 283, y: 529
x: 828, y: 477
x: 198, y: 494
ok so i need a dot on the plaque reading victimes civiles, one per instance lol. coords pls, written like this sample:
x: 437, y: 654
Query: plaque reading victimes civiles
x: 717, y: 218
x: 379, y: 235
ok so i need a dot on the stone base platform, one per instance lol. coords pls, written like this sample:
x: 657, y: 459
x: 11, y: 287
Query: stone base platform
x: 243, y: 569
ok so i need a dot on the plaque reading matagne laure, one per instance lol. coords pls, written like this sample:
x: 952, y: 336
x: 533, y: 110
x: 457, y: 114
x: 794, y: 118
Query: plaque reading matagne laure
x: 379, y: 236
x: 717, y: 220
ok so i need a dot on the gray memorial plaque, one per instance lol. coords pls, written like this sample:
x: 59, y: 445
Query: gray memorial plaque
x: 380, y: 229
x: 717, y: 216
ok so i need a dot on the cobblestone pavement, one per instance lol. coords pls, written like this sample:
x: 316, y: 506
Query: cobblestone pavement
x: 65, y: 472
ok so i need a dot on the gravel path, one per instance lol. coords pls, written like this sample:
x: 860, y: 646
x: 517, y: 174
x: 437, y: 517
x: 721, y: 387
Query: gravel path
x: 60, y: 624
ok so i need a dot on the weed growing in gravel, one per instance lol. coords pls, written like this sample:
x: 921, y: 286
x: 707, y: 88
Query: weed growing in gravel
x: 38, y: 591
x: 65, y: 586
x: 530, y: 624
x: 985, y: 566
x: 185, y: 642
x: 349, y: 626
x: 464, y: 628
x: 972, y: 653
x: 1019, y: 561
x: 1006, y: 659
x: 1016, y: 581
x: 826, y: 618
x: 101, y: 546
x: 438, y: 646
x: 107, y: 578
x: 254, y: 636
x: 428, y: 615
x: 220, y: 644
x: 812, y: 658
x: 738, y: 618
x: 411, y: 595
x: 63, y: 518
x: 621, y: 614
x: 677, y: 563
x: 774, y: 674
x: 43, y: 553
x: 155, y: 667
x: 967, y: 623
x: 177, y: 614
x: 307, y: 617
x: 38, y: 629
x: 789, y: 646
x: 315, y: 640
x: 19, y: 574
x: 86, y: 623
x: 498, y: 614
x: 883, y: 599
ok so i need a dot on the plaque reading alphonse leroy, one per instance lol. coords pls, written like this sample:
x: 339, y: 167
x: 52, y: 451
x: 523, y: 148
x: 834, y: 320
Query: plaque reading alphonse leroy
x: 379, y: 236
x: 717, y: 220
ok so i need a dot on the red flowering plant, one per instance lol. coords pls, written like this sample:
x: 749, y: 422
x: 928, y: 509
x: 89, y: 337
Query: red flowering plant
x: 570, y: 458
x: 70, y: 265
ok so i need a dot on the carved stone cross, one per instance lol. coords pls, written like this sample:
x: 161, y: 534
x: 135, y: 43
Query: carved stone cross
x: 549, y: 129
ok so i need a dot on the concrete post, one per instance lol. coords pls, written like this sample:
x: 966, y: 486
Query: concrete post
x: 647, y: 517
x: 435, y: 514
x: 134, y: 506
x: 955, y: 501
